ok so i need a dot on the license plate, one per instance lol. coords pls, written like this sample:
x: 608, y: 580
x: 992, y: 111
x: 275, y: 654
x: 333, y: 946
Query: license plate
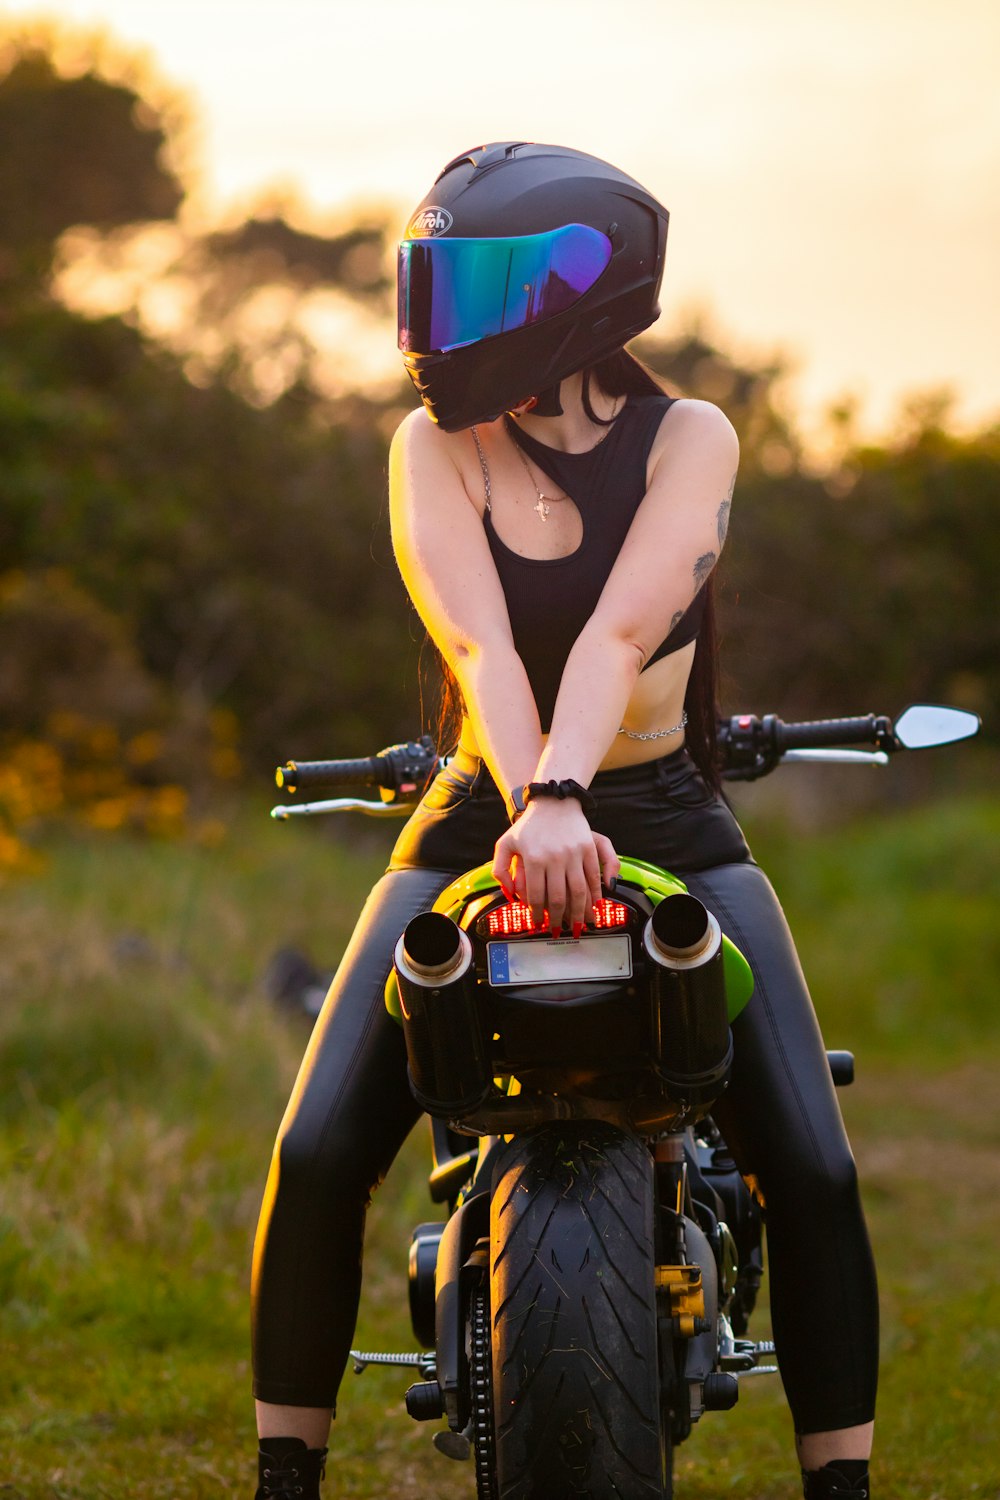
x: 564, y: 961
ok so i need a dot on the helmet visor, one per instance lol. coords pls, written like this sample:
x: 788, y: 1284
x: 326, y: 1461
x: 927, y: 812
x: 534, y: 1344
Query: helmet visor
x: 457, y: 291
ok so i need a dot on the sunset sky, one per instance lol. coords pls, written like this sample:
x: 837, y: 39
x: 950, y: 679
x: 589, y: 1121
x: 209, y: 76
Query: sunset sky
x: 832, y: 169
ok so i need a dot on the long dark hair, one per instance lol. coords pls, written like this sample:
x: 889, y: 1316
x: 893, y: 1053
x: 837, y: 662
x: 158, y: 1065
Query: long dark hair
x: 621, y: 374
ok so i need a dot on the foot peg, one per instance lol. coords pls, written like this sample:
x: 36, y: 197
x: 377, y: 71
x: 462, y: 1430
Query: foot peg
x: 453, y: 1444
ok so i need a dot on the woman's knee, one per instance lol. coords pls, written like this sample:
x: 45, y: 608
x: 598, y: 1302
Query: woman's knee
x: 814, y: 1186
x: 321, y: 1165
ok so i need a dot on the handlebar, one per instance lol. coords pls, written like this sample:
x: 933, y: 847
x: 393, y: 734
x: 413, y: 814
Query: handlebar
x: 749, y: 747
x: 866, y: 730
x: 400, y: 771
x: 298, y: 775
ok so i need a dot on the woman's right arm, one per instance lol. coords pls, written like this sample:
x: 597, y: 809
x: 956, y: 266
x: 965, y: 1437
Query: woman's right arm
x: 449, y: 573
x: 552, y: 858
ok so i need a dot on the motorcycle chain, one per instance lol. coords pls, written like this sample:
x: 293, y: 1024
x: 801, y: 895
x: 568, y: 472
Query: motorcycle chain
x: 481, y: 1380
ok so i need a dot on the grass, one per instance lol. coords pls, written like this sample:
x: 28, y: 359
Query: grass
x: 144, y: 1071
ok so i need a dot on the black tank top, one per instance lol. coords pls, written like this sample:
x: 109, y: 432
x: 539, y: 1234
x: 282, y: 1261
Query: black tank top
x: 550, y: 600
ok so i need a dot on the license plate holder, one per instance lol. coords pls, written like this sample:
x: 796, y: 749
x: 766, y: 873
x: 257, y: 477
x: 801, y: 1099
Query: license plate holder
x: 605, y: 955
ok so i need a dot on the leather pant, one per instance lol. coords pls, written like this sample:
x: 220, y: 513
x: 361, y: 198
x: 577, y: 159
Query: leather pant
x: 351, y: 1107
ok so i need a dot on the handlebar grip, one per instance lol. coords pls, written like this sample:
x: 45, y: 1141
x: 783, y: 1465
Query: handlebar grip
x: 296, y: 775
x: 826, y: 733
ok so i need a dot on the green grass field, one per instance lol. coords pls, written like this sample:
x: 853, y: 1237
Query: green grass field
x: 144, y: 1072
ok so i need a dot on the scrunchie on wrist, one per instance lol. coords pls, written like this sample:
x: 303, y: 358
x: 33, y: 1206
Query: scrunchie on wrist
x: 520, y: 796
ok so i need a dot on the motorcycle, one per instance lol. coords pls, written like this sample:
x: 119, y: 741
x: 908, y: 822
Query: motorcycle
x: 588, y: 1297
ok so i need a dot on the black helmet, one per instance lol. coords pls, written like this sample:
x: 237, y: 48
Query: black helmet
x: 523, y: 264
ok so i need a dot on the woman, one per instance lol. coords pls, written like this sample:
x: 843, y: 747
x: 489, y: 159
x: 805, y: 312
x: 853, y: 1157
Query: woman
x: 556, y: 518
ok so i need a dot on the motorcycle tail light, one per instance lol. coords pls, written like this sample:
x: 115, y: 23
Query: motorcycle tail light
x: 515, y: 919
x: 609, y: 914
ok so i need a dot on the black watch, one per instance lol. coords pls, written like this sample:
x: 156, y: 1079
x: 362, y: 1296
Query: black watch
x: 562, y: 790
x: 516, y: 804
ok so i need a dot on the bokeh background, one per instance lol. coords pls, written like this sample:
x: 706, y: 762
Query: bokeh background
x: 200, y: 378
x: 198, y: 383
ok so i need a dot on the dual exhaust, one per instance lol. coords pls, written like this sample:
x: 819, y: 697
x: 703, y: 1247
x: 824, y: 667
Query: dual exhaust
x: 449, y: 1065
x: 690, y: 1018
x: 449, y: 1056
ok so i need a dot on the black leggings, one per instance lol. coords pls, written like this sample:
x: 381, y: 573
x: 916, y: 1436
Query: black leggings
x: 351, y: 1108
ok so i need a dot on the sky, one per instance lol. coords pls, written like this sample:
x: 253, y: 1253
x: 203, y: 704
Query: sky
x: 832, y: 170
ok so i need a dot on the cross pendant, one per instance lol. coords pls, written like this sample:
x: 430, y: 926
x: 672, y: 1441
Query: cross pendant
x: 541, y: 508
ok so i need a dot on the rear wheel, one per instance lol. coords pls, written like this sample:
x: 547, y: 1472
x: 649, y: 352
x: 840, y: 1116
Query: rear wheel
x: 575, y: 1370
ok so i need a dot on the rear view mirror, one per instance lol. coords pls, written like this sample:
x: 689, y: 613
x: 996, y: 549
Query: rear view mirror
x: 926, y: 724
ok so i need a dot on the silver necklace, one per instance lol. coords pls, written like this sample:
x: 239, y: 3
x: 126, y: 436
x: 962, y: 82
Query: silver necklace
x: 542, y: 507
x: 543, y: 500
x: 655, y: 734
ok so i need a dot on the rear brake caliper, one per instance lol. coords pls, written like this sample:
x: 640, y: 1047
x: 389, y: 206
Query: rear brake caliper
x: 687, y: 1299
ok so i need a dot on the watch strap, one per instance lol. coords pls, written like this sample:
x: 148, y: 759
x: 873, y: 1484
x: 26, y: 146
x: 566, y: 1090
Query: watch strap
x: 562, y: 790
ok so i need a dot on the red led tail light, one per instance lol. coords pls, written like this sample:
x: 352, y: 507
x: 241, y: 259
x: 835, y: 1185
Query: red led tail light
x: 515, y: 919
x: 609, y: 914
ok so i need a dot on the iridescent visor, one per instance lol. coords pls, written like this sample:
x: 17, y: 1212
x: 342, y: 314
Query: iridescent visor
x: 456, y: 291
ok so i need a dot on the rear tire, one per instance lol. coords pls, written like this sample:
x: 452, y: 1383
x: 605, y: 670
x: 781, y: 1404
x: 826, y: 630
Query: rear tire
x: 575, y: 1369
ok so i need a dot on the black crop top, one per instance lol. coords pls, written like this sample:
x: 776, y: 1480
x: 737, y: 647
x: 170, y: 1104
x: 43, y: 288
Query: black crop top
x: 550, y: 600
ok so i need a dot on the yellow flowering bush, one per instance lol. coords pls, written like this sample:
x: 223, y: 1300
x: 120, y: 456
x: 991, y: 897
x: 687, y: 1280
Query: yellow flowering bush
x: 86, y: 773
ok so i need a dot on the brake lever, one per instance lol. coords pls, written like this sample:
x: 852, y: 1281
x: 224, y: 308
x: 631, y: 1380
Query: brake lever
x: 845, y: 757
x: 399, y: 809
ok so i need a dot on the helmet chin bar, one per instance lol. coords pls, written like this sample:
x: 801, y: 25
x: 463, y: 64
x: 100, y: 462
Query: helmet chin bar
x: 480, y: 381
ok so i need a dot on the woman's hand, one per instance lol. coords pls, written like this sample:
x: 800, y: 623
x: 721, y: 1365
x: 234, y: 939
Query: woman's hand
x: 553, y: 859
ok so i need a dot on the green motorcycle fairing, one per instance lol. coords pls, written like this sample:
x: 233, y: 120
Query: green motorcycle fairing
x: 654, y: 884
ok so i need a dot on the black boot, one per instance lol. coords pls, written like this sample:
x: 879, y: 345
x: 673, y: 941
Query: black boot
x: 844, y: 1479
x: 288, y: 1470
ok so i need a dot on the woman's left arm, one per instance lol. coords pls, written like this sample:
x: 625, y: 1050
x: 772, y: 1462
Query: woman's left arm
x: 672, y: 546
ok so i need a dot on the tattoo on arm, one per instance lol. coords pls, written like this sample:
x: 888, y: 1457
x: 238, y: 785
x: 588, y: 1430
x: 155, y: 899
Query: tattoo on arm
x: 703, y: 567
x: 722, y: 516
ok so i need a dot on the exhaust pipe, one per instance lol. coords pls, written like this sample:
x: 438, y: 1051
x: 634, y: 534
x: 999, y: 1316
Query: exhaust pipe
x: 446, y: 1052
x: 690, y: 1019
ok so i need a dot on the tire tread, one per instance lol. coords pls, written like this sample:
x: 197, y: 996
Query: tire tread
x: 576, y: 1377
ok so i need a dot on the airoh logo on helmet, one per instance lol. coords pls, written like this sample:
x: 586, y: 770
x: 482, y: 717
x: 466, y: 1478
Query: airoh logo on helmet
x: 429, y: 222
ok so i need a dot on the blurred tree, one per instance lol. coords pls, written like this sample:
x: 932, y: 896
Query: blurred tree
x: 869, y: 587
x: 691, y: 365
x: 271, y: 250
x: 255, y: 291
x: 62, y: 653
x: 246, y: 552
x: 231, y: 547
x: 84, y: 150
x: 171, y: 550
x: 73, y: 151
